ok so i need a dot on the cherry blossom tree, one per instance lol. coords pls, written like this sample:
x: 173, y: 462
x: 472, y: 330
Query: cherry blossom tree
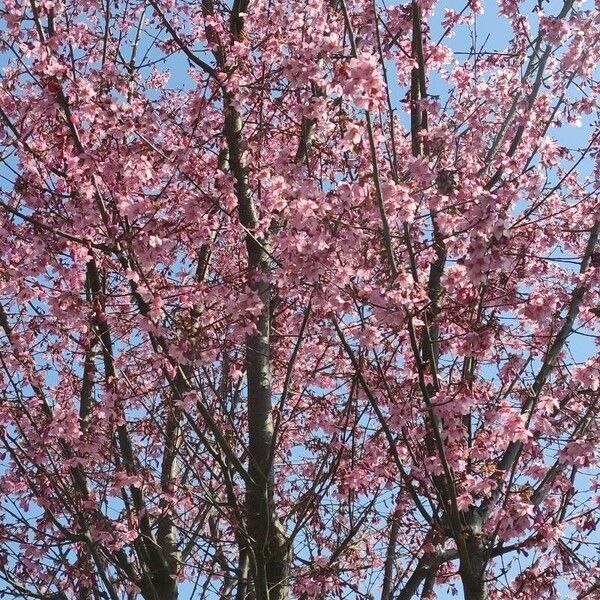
x: 299, y: 299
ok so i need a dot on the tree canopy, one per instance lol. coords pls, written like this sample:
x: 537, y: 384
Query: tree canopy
x: 299, y: 299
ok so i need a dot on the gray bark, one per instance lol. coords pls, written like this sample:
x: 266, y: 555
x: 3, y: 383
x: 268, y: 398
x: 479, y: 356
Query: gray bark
x: 268, y: 549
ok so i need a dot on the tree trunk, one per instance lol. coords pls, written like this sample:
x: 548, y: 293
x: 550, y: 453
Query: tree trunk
x: 159, y: 588
x: 269, y: 543
x: 390, y: 558
x: 268, y: 549
x: 472, y: 570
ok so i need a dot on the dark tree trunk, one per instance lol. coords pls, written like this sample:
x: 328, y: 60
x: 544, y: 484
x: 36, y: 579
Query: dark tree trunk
x: 268, y: 551
x: 472, y: 570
